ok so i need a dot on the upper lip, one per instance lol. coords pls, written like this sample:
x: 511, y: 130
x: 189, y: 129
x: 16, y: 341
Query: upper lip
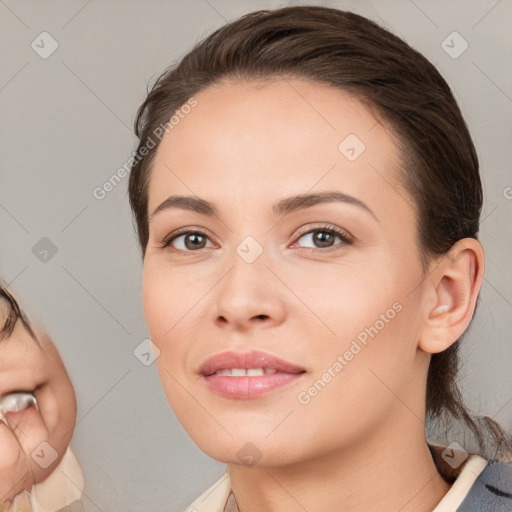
x: 17, y: 401
x: 252, y: 359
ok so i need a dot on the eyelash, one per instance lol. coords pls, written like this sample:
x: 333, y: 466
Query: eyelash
x: 344, y: 237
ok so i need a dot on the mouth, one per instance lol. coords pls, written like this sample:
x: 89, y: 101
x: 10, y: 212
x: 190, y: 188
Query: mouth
x: 244, y: 375
x: 16, y: 405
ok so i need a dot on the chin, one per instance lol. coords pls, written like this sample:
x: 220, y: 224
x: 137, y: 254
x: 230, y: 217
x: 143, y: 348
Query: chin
x: 247, y: 449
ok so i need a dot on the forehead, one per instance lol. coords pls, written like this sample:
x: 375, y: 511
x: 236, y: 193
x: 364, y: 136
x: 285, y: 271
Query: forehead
x: 268, y: 139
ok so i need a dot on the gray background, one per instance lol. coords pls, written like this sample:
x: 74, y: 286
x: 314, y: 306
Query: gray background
x: 66, y: 127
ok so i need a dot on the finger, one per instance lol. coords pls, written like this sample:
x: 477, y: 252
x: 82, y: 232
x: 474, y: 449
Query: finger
x: 29, y: 427
x: 15, y: 470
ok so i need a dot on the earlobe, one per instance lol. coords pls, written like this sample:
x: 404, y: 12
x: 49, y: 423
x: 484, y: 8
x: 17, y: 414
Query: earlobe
x: 455, y: 284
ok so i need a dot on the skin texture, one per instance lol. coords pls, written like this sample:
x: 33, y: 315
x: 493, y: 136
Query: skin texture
x: 360, y: 441
x: 24, y: 366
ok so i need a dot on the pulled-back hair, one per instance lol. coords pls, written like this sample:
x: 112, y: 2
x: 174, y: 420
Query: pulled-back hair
x: 438, y: 162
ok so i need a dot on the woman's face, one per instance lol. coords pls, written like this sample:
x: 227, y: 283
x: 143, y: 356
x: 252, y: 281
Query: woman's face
x: 348, y: 313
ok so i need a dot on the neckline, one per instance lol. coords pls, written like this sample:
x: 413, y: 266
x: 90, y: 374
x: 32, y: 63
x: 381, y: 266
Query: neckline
x: 461, y: 477
x: 472, y: 468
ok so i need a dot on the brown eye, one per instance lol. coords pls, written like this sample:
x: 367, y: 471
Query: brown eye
x: 187, y: 241
x: 325, y: 237
x: 194, y: 241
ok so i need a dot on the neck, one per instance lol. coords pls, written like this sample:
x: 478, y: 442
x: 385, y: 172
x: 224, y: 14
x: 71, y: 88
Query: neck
x: 395, y: 470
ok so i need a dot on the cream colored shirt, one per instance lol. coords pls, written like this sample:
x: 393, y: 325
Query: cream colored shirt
x: 219, y: 498
x: 62, y: 488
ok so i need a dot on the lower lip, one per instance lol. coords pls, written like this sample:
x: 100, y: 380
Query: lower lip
x: 250, y: 386
x: 15, y: 417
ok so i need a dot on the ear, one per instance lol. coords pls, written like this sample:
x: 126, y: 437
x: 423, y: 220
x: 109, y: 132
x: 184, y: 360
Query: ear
x: 453, y: 284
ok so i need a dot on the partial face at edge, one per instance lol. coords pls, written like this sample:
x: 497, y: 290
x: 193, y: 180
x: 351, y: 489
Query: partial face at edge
x: 309, y: 297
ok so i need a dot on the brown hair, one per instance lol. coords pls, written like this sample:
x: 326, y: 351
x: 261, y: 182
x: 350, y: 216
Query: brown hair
x: 439, y: 164
x: 14, y: 313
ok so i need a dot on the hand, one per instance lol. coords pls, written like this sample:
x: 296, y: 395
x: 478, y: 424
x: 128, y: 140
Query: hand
x: 27, y: 367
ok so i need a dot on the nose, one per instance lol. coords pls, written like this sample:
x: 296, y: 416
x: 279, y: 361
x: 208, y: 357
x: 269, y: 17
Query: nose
x: 249, y: 295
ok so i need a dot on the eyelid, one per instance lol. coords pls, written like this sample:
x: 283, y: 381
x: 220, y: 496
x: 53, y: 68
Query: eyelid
x: 346, y: 237
x: 324, y: 225
x: 165, y: 244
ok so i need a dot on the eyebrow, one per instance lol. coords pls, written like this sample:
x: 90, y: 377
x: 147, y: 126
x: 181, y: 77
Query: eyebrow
x: 282, y: 207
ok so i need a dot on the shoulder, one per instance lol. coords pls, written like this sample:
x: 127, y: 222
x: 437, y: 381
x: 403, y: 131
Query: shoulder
x: 63, y: 487
x: 492, y: 489
x: 478, y: 484
x: 214, y: 498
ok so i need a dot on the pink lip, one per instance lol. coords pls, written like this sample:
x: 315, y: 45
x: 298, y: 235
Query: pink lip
x: 250, y: 386
x: 253, y: 359
x: 15, y: 418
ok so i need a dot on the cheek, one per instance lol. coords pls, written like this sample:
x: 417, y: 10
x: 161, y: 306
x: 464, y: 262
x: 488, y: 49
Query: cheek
x: 173, y: 316
x: 163, y: 302
x: 343, y: 300
x: 355, y: 384
x: 162, y: 307
x: 371, y: 343
x: 155, y: 303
